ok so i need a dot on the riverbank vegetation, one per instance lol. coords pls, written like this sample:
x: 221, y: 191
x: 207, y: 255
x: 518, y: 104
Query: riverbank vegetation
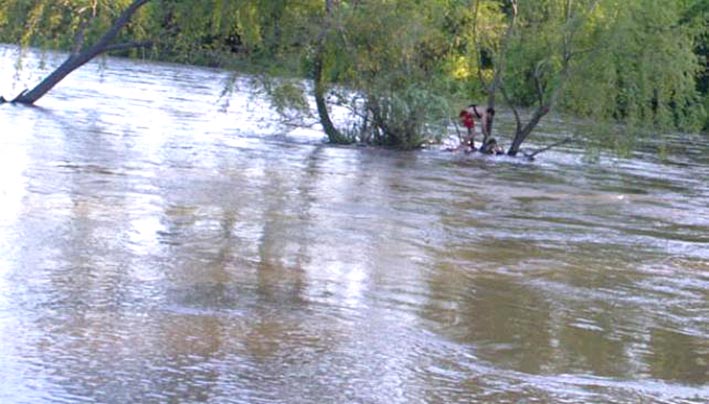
x: 404, y: 67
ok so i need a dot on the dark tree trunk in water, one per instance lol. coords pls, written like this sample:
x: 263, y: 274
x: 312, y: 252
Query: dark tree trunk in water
x: 333, y: 135
x: 81, y: 57
x: 523, y: 132
x: 546, y: 101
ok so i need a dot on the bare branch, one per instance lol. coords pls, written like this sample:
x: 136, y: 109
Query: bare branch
x: 19, y: 96
x: 531, y: 155
x: 121, y: 22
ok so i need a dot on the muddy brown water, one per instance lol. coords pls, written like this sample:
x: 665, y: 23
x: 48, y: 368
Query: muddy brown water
x: 154, y: 248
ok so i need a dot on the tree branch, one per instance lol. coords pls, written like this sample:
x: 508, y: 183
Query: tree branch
x: 531, y: 155
x: 121, y: 22
x: 319, y: 84
x: 80, y: 36
x: 499, y: 67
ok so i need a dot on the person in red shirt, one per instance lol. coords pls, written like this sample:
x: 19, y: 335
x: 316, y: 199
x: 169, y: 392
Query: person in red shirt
x: 468, y: 116
x: 468, y: 120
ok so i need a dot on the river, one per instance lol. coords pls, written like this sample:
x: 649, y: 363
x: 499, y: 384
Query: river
x: 155, y: 247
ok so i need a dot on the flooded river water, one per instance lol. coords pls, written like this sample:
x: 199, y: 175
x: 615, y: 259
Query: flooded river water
x: 156, y: 249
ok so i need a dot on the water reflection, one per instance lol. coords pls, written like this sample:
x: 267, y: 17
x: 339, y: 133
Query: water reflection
x: 153, y: 248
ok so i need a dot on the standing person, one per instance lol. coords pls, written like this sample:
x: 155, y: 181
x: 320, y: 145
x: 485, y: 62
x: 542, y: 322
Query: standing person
x: 486, y: 119
x: 468, y: 116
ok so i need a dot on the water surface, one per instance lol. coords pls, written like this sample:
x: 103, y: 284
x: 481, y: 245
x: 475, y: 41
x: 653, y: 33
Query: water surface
x: 154, y: 248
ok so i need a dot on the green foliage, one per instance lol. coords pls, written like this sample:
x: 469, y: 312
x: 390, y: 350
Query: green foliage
x: 392, y: 55
x: 398, y: 63
x: 706, y: 113
x: 696, y: 15
x: 409, y: 118
x: 637, y: 66
x: 287, y: 95
x: 53, y: 24
x: 633, y: 62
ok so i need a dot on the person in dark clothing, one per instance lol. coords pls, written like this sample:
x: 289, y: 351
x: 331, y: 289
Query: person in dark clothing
x: 491, y: 147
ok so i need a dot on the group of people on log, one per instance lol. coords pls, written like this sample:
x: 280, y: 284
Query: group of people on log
x: 468, y: 116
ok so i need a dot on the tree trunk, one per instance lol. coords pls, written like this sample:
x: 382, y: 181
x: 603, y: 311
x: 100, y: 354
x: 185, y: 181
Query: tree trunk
x: 498, y: 71
x: 80, y: 58
x: 546, y: 103
x: 491, y: 102
x: 333, y: 135
x: 69, y: 65
x: 522, y: 134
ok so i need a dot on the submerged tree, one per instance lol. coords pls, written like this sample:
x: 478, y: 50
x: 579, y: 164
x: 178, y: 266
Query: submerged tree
x: 396, y: 64
x: 381, y: 60
x: 558, y: 28
x: 83, y: 19
x: 631, y: 61
x: 191, y: 31
x: 319, y: 81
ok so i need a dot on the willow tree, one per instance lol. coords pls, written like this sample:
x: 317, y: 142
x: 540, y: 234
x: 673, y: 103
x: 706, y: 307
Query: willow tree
x: 543, y: 48
x: 697, y: 15
x: 382, y: 60
x: 524, y: 51
x: 392, y: 62
x: 626, y: 61
x: 318, y: 73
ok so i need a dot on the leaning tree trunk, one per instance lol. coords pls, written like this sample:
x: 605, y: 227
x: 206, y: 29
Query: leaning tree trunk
x: 546, y: 103
x: 81, y: 57
x: 524, y: 131
x: 333, y: 135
